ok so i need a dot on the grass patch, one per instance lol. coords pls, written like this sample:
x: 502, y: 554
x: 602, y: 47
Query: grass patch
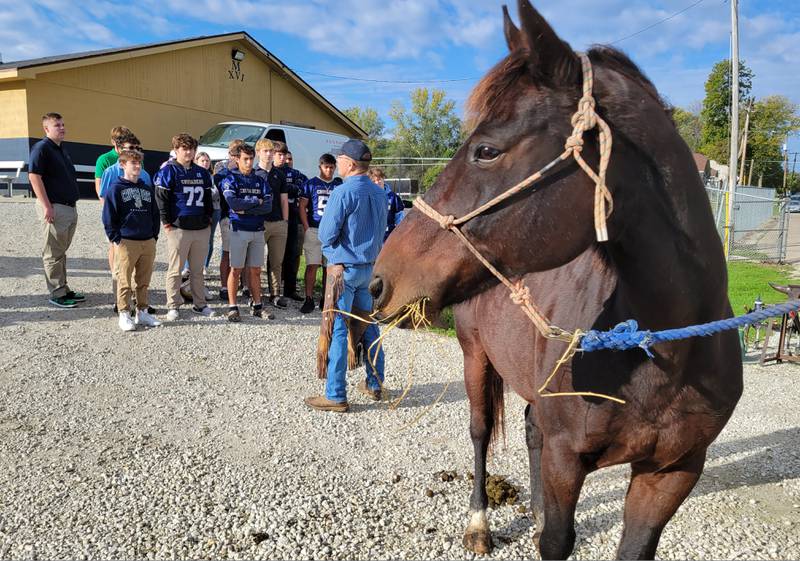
x: 747, y: 281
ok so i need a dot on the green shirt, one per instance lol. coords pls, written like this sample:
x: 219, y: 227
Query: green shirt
x: 104, y: 162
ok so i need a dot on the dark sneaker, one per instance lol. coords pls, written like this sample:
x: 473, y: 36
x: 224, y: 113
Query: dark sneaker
x: 258, y: 312
x: 233, y: 315
x: 296, y: 297
x: 76, y: 296
x: 280, y: 302
x: 308, y: 306
x: 116, y: 311
x: 223, y: 294
x: 63, y: 302
x: 246, y: 293
x: 151, y: 310
x: 363, y: 388
x: 321, y: 403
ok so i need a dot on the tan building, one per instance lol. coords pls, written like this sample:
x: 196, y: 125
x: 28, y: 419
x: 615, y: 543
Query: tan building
x: 157, y: 90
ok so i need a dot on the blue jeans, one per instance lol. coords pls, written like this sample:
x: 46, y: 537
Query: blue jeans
x: 355, y: 293
x: 215, y: 218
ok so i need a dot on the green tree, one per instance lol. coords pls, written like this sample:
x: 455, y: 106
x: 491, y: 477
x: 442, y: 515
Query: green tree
x: 689, y: 127
x: 368, y: 119
x: 429, y: 129
x: 716, y: 114
x: 771, y: 119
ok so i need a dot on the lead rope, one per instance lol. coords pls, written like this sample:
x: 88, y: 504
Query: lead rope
x: 583, y: 120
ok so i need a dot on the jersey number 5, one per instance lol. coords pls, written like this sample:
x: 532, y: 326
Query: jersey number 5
x: 195, y: 195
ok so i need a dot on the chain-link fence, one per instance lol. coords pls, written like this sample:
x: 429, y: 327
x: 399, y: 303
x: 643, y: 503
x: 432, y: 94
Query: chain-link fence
x: 410, y: 176
x: 760, y: 223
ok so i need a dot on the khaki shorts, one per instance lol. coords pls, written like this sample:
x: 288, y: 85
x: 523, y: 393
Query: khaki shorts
x: 313, y: 247
x: 247, y: 249
x: 225, y: 231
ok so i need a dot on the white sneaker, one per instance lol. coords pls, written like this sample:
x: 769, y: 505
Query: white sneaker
x: 207, y: 311
x: 172, y: 315
x: 209, y: 295
x: 143, y: 318
x: 185, y: 273
x: 126, y: 322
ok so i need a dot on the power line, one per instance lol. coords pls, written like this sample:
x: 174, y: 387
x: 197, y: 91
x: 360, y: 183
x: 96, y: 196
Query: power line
x: 451, y: 80
x: 676, y: 14
x: 372, y: 80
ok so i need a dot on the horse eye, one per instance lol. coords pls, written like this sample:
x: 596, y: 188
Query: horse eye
x: 486, y: 153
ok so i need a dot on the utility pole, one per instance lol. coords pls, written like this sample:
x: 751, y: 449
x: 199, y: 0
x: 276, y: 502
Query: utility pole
x: 785, y: 162
x: 743, y: 150
x: 734, y: 140
x: 794, y: 163
x: 750, y: 175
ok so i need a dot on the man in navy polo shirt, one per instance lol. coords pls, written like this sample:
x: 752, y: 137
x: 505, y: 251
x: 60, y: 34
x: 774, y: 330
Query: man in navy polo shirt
x: 351, y: 232
x: 55, y: 184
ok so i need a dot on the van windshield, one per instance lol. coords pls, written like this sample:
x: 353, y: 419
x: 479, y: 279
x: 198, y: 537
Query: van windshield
x: 219, y: 136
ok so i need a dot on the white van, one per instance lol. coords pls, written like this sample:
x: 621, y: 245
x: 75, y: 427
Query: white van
x: 306, y: 145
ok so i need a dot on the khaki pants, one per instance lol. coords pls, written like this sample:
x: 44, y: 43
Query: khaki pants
x: 57, y: 239
x: 133, y: 259
x: 275, y: 234
x: 183, y: 245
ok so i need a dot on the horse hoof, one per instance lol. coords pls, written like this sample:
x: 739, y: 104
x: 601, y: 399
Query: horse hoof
x: 537, y: 536
x: 479, y: 542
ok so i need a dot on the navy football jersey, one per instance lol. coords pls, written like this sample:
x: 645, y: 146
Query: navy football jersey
x: 317, y: 192
x: 184, y: 195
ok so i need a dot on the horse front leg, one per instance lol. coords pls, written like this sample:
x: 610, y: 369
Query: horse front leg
x: 563, y: 475
x: 534, y: 440
x: 477, y: 373
x: 652, y: 499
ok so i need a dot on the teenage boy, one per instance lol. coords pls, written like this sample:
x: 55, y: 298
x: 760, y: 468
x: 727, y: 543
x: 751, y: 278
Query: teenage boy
x: 294, y: 239
x: 276, y: 228
x: 119, y: 135
x: 396, y: 207
x: 183, y: 193
x: 222, y: 169
x: 313, y: 198
x: 250, y: 200
x: 55, y: 184
x: 113, y: 172
x: 131, y: 221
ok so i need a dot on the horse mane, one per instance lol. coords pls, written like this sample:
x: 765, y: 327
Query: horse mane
x: 491, y: 97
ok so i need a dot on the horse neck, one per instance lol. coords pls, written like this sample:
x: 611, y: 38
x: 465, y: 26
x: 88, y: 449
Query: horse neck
x: 668, y: 256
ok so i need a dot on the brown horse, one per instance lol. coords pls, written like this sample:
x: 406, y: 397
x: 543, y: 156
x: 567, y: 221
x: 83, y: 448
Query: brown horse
x: 663, y: 266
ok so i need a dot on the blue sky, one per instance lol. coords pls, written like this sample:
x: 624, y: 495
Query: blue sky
x: 426, y: 40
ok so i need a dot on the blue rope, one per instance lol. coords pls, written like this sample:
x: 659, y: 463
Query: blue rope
x: 627, y: 335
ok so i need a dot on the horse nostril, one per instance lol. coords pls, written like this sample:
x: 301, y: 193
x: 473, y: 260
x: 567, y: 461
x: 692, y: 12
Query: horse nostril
x: 376, y: 287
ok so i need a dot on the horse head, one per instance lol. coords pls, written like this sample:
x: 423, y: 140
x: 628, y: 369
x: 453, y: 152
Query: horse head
x: 520, y: 115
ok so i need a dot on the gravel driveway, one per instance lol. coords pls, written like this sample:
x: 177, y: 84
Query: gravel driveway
x: 192, y: 441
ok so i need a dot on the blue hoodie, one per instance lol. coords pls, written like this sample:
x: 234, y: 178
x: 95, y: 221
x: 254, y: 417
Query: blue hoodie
x: 130, y: 211
x: 242, y: 193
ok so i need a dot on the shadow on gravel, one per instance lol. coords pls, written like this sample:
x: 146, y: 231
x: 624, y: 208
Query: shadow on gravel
x: 773, y: 457
x: 423, y: 395
x: 22, y: 267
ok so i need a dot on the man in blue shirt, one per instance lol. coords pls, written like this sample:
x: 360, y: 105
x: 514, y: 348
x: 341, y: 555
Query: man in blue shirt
x: 351, y: 232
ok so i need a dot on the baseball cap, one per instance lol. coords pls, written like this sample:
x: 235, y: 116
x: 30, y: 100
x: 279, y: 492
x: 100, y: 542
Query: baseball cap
x: 355, y: 150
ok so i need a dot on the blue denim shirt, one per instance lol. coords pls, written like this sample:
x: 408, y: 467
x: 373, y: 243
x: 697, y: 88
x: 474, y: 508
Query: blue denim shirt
x: 352, y: 228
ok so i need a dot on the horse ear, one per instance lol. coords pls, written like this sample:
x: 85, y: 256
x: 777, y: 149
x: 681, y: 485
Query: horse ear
x: 551, y: 58
x: 513, y: 37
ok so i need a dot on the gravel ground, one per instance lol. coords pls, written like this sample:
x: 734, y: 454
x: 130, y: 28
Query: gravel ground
x: 192, y: 441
